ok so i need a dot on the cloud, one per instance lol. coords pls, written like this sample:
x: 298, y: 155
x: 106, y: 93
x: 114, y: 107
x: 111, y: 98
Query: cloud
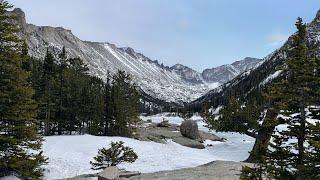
x: 276, y: 39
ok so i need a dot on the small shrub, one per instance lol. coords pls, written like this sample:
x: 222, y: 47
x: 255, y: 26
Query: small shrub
x: 113, y: 156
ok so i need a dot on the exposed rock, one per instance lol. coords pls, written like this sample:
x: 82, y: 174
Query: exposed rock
x: 217, y: 170
x: 161, y: 134
x: 188, y: 142
x: 164, y: 123
x: 189, y: 129
x: 109, y: 173
x: 209, y: 136
x: 127, y: 174
x: 82, y: 177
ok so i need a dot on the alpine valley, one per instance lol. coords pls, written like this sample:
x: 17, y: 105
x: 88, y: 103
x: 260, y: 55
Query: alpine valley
x: 76, y: 109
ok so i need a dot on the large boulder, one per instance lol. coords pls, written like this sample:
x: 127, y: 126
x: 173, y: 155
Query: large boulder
x: 109, y: 173
x: 189, y: 129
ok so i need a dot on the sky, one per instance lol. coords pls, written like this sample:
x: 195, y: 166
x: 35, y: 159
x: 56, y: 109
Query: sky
x: 196, y: 33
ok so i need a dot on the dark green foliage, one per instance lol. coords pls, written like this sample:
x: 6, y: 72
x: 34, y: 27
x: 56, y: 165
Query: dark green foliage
x: 234, y: 117
x: 108, y: 109
x: 278, y: 157
x: 73, y: 102
x: 113, y: 156
x: 293, y: 94
x: 18, y: 124
x: 313, y: 157
x: 125, y: 103
x: 247, y: 118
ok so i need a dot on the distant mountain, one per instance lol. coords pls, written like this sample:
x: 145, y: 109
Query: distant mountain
x: 220, y: 74
x: 249, y: 84
x: 225, y: 73
x: 167, y: 84
x: 187, y: 74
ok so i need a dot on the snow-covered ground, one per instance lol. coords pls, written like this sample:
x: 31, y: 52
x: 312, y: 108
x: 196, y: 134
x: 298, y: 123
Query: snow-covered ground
x: 236, y: 148
x: 70, y: 155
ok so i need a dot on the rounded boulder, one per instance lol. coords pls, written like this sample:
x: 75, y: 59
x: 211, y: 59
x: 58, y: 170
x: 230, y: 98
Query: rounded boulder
x: 189, y: 129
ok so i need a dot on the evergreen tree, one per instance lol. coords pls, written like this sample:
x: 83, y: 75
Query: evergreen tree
x: 314, y: 156
x: 125, y: 104
x: 19, y: 140
x: 293, y: 94
x: 48, y: 98
x: 108, y: 103
x: 113, y: 156
x: 63, y: 65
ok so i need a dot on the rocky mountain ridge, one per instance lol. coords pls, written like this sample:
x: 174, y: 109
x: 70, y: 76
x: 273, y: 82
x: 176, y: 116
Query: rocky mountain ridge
x: 175, y: 84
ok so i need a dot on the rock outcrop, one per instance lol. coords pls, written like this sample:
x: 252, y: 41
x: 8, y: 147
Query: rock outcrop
x: 189, y: 129
x: 217, y: 170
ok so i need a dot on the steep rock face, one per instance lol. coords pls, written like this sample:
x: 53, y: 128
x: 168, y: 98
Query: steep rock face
x: 188, y: 74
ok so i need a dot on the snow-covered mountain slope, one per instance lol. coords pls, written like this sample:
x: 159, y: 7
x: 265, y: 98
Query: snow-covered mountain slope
x: 220, y: 74
x: 225, y: 73
x: 188, y: 74
x: 175, y: 84
x: 248, y: 84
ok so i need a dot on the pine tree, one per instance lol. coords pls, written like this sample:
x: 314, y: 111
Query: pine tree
x: 113, y: 156
x: 125, y: 104
x: 19, y: 140
x: 108, y: 103
x: 62, y: 89
x: 313, y: 158
x: 293, y: 94
x: 48, y: 100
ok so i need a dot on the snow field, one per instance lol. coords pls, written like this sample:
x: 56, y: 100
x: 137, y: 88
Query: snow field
x: 71, y: 155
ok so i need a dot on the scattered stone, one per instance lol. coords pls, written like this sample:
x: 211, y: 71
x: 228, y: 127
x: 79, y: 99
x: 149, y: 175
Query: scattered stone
x: 164, y: 123
x: 189, y: 129
x: 109, y: 173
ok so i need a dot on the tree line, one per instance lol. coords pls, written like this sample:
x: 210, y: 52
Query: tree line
x: 72, y: 101
x: 54, y: 96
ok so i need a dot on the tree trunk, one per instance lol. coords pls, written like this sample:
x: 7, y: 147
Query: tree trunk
x: 263, y: 137
x: 260, y: 145
x: 301, y: 139
x: 46, y: 124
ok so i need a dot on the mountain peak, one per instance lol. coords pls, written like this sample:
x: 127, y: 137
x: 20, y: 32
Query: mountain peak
x: 318, y: 14
x: 18, y: 12
x: 179, y: 66
x: 20, y: 15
